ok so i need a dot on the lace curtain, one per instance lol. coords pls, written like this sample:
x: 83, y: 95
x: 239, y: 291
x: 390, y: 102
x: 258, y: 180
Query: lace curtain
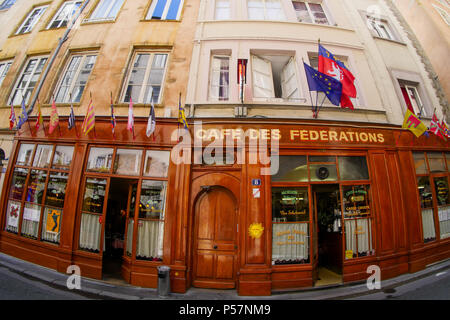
x: 290, y: 241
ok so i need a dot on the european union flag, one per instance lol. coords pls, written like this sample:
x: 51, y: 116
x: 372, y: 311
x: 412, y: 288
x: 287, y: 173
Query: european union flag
x: 318, y: 81
x: 23, y: 117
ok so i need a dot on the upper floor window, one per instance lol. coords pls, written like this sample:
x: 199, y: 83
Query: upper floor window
x: 165, y: 10
x: 145, y: 78
x: 64, y: 14
x: 27, y: 80
x: 220, y: 78
x: 74, y: 80
x: 310, y: 12
x: 381, y: 28
x: 106, y: 10
x: 265, y: 10
x: 7, y: 4
x: 222, y: 10
x: 4, y: 67
x: 412, y: 99
x: 443, y: 13
x: 31, y: 20
x: 274, y: 77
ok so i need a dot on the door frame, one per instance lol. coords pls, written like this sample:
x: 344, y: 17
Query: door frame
x: 226, y: 180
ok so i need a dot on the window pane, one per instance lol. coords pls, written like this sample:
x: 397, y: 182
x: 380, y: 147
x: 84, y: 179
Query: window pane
x: 447, y: 156
x: 441, y: 187
x: 30, y: 221
x: 18, y: 183
x: 301, y: 11
x: 420, y: 163
x: 63, y: 157
x: 156, y: 163
x: 101, y: 10
x: 173, y: 10
x: 25, y: 154
x: 429, y: 231
x: 128, y: 162
x: 444, y: 221
x: 51, y: 224
x: 436, y: 162
x: 90, y: 230
x: 323, y: 172
x: 42, y: 156
x: 292, y: 168
x: 12, y: 216
x: 290, y: 241
x: 426, y: 197
x: 56, y: 189
x: 356, y: 201
x: 100, y: 159
x: 153, y: 194
x: 322, y: 159
x: 353, y: 168
x: 94, y: 195
x: 318, y: 13
x: 36, y: 186
x: 222, y: 10
x: 358, y: 238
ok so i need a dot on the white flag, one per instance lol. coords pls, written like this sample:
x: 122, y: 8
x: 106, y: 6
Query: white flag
x: 151, y: 124
x: 130, y: 124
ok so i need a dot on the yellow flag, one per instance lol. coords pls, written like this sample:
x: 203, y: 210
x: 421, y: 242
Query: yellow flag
x: 413, y: 123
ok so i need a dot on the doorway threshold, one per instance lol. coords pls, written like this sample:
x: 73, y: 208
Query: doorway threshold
x: 328, y: 278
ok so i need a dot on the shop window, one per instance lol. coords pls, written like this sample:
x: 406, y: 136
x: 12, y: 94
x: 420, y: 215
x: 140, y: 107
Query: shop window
x: 165, y: 10
x: 106, y: 10
x: 432, y: 184
x: 40, y: 193
x: 222, y: 10
x: 72, y: 84
x: 265, y: 10
x: 357, y: 221
x: 292, y: 168
x: 4, y: 68
x: 6, y: 4
x: 31, y: 20
x: 92, y: 209
x: 145, y: 78
x: 219, y: 82
x: 62, y: 158
x: 149, y: 243
x: 290, y: 225
x: 310, y: 12
x: 128, y: 162
x: 353, y: 168
x: 27, y: 80
x: 275, y: 77
x: 100, y: 160
x: 64, y: 14
x: 156, y: 163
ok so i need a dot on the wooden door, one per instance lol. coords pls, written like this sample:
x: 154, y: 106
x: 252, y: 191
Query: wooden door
x: 215, y: 248
x: 315, y: 244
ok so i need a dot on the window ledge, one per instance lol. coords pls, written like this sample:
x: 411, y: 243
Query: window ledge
x: 98, y: 21
x: 390, y: 40
x: 158, y: 20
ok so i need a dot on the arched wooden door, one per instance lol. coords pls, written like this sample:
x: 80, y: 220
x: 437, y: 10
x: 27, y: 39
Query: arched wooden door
x: 215, y: 242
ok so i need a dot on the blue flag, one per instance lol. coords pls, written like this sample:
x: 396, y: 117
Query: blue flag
x: 318, y: 81
x: 71, y: 118
x: 23, y: 117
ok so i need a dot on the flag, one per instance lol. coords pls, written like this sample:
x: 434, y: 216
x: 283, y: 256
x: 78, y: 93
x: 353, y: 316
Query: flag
x: 413, y: 124
x: 89, y: 119
x: 130, y: 125
x: 435, y: 126
x: 113, y: 117
x: 444, y: 129
x: 12, y: 118
x: 151, y: 123
x: 318, y: 81
x: 23, y: 117
x: 331, y: 66
x: 40, y: 119
x: 71, y: 118
x: 181, y: 115
x: 54, y: 118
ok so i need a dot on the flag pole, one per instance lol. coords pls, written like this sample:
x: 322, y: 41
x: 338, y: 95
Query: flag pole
x: 95, y: 132
x: 71, y: 109
x: 59, y: 128
x: 323, y: 100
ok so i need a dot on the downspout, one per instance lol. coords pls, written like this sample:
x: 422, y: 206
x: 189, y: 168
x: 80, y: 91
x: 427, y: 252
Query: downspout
x: 55, y: 53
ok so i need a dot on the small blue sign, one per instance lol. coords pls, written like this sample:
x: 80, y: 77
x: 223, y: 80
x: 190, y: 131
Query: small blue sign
x: 256, y: 182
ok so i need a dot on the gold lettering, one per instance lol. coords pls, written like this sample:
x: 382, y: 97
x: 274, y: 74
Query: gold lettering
x: 313, y: 135
x: 380, y: 138
x: 276, y: 134
x: 372, y: 137
x: 323, y: 135
x: 265, y: 134
x: 343, y: 136
x: 365, y: 138
x: 294, y: 133
x: 304, y: 135
x: 333, y: 135
x: 351, y: 133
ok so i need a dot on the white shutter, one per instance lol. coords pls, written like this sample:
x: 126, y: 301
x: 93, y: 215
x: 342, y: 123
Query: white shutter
x: 289, y: 86
x: 214, y: 86
x: 262, y: 78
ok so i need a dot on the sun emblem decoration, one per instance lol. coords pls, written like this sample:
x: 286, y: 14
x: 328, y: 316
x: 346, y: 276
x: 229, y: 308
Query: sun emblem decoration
x: 255, y: 230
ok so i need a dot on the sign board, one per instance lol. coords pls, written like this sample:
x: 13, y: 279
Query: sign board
x: 256, y: 182
x: 256, y: 193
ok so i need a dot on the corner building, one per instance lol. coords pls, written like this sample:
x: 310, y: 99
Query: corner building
x: 348, y: 190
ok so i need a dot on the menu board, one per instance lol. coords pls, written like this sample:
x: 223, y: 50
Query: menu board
x: 356, y: 201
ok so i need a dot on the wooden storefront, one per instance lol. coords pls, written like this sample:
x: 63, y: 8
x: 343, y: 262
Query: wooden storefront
x: 228, y: 224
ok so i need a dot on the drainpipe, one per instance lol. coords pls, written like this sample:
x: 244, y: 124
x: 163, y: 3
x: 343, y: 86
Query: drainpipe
x: 55, y: 53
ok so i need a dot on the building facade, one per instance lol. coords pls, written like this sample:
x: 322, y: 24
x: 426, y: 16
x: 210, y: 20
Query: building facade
x: 256, y: 195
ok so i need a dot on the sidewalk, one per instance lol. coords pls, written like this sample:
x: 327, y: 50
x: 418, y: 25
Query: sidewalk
x: 96, y: 289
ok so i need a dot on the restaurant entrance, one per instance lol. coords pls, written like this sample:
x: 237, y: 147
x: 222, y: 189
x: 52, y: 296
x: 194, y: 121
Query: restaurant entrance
x: 327, y: 211
x: 121, y: 200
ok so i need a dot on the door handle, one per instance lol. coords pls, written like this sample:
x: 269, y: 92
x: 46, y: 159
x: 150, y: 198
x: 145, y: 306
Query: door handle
x: 215, y: 247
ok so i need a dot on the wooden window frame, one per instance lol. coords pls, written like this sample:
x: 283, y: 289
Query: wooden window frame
x: 43, y: 8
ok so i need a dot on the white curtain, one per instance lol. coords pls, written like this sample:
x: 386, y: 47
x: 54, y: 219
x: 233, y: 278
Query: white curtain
x: 428, y: 224
x: 444, y: 221
x: 150, y: 239
x: 290, y: 241
x: 30, y: 222
x: 358, y: 235
x: 90, y: 232
x: 130, y: 236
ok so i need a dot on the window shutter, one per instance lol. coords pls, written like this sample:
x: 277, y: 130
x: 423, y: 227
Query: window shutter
x: 262, y: 78
x: 289, y: 86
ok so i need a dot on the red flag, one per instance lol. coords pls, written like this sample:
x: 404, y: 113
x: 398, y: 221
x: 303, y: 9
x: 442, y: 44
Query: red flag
x: 346, y: 102
x: 54, y: 118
